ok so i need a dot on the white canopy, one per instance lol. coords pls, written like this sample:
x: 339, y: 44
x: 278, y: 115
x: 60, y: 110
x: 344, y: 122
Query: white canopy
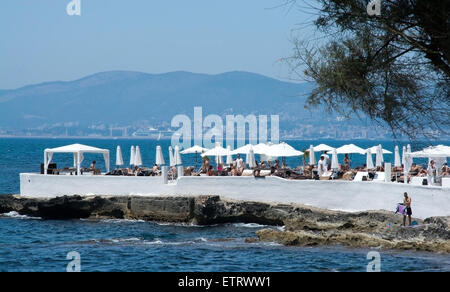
x: 283, y: 150
x: 77, y: 150
x: 244, y: 150
x: 350, y: 149
x: 323, y: 147
x: 432, y: 152
x: 216, y: 151
x: 262, y: 148
x: 374, y: 150
x: 194, y: 150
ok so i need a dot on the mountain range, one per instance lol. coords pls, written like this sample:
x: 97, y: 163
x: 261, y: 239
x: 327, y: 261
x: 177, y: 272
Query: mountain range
x: 124, y: 98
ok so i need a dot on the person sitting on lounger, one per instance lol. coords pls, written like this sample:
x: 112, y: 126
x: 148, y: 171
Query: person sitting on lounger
x: 210, y: 171
x: 263, y: 165
x: 445, y: 170
x: 277, y: 164
x: 93, y: 169
x: 155, y: 169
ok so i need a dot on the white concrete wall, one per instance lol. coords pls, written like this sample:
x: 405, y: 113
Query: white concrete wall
x: 335, y: 195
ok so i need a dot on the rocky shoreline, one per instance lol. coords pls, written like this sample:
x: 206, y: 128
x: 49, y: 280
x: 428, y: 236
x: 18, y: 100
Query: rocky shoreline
x: 304, y: 226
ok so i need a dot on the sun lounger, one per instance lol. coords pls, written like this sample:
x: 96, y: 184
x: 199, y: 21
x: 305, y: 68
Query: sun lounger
x: 265, y: 172
x: 379, y: 176
x: 360, y: 176
x: 418, y: 180
x: 247, y: 172
x: 446, y: 182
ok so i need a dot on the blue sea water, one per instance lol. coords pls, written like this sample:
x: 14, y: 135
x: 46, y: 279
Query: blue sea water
x: 32, y: 244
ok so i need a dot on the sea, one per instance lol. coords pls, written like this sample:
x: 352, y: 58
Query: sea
x: 33, y: 244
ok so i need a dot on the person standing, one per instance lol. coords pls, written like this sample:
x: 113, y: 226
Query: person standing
x: 239, y: 162
x: 321, y: 166
x: 407, y: 202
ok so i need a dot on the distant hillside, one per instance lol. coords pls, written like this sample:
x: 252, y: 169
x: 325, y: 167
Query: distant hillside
x: 121, y: 97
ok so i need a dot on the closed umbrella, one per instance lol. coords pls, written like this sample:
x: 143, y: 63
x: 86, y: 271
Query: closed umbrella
x: 404, y: 151
x: 171, y: 158
x: 132, y: 155
x: 219, y: 160
x: 312, y: 156
x: 159, y: 156
x: 369, y: 161
x: 397, y: 162
x: 379, y: 156
x: 251, y: 158
x: 229, y: 156
x: 138, y: 157
x: 334, y: 160
x: 177, y: 156
x: 119, y: 158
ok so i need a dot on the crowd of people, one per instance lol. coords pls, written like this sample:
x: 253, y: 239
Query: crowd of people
x: 322, y: 170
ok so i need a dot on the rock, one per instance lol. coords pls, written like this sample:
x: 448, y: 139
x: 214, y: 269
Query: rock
x: 170, y: 209
x: 304, y: 226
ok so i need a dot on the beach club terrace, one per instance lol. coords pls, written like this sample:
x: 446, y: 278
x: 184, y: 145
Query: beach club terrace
x: 323, y: 182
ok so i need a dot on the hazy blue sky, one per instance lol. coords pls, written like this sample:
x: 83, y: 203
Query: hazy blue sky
x: 40, y: 42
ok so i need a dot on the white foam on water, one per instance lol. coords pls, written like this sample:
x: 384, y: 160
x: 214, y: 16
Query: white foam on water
x: 14, y: 214
x: 249, y: 225
x: 122, y: 221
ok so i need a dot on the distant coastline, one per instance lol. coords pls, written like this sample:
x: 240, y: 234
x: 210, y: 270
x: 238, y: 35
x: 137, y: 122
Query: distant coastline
x: 168, y: 139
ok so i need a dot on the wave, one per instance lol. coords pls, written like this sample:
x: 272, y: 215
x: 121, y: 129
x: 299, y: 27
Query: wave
x: 14, y: 214
x: 249, y: 225
x: 122, y: 221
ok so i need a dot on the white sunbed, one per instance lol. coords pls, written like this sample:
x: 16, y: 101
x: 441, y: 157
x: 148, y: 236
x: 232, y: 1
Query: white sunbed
x: 380, y: 176
x: 446, y: 182
x: 360, y: 174
x: 417, y: 180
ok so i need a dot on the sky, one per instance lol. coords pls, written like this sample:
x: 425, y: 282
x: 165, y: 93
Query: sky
x: 40, y: 42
